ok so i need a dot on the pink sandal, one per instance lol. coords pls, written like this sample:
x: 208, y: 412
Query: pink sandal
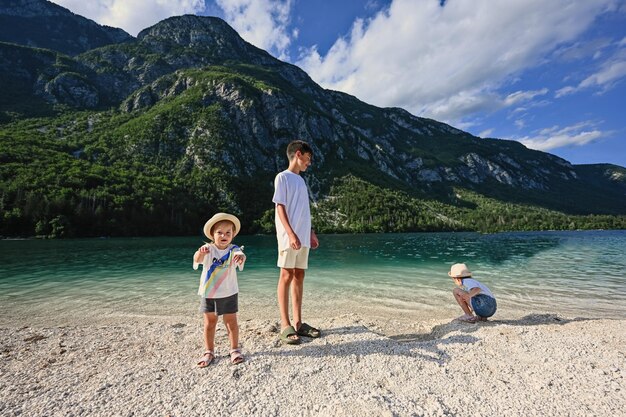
x: 466, y: 318
x: 236, y: 357
x: 206, y: 359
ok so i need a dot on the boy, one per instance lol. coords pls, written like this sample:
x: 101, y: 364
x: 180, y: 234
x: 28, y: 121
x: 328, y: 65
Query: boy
x: 471, y: 295
x: 295, y: 237
x: 218, y: 284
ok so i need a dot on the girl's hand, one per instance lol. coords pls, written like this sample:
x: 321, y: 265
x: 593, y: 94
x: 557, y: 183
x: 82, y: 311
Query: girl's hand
x: 204, y: 249
x: 239, y: 256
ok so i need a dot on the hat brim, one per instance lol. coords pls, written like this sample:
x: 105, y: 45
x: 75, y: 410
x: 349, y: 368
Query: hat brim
x: 218, y: 218
x: 460, y: 276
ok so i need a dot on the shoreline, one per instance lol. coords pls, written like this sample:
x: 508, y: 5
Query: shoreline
x: 528, y: 364
x: 88, y: 313
x: 332, y: 233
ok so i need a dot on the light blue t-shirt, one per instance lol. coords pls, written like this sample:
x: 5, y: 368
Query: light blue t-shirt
x: 469, y: 283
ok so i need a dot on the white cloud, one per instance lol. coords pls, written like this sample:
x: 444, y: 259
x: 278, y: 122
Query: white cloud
x: 449, y: 62
x: 581, y: 50
x: 486, y: 133
x: 557, y: 137
x: 522, y: 96
x: 263, y: 23
x: 132, y: 16
x: 453, y: 109
x: 565, y: 91
x: 609, y: 73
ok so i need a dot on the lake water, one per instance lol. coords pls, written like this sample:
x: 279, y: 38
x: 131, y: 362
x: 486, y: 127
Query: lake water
x: 571, y: 273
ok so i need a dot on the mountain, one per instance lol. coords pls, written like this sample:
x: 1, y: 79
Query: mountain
x: 42, y: 24
x: 151, y: 135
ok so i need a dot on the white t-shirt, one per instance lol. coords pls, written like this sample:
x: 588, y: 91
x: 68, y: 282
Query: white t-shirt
x: 220, y: 281
x: 470, y: 283
x: 290, y: 190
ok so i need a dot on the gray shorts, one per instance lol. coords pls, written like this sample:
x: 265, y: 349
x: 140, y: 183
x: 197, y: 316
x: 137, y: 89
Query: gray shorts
x: 219, y: 306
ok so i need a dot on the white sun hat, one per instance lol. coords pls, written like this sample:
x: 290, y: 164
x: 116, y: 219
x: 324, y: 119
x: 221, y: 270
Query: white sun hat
x: 459, y: 271
x: 218, y: 217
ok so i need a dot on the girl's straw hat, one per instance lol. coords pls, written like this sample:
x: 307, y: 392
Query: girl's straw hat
x: 459, y: 271
x: 218, y: 218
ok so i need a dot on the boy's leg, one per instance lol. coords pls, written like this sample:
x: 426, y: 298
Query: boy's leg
x: 459, y: 299
x: 210, y: 322
x: 230, y: 320
x: 284, y: 282
x: 297, y: 289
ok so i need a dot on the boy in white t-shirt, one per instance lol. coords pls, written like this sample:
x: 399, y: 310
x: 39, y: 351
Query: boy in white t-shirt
x: 218, y: 284
x: 295, y: 236
x: 472, y: 295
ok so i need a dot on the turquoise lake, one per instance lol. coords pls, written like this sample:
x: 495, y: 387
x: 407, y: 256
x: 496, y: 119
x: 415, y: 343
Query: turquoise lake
x: 572, y: 273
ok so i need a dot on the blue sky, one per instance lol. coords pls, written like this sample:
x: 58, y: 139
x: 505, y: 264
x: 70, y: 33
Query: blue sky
x: 550, y: 74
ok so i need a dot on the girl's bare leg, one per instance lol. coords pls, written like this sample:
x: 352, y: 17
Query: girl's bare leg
x: 459, y: 299
x: 210, y: 322
x: 230, y: 320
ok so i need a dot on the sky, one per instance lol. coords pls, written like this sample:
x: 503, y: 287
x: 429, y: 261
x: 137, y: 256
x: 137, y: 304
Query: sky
x: 549, y: 74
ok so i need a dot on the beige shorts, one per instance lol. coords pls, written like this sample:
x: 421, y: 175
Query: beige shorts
x: 292, y: 258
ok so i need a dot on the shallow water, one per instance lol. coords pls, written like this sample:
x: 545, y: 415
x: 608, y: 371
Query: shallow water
x: 573, y: 273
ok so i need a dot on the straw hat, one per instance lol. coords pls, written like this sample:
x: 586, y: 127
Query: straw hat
x: 218, y: 218
x: 459, y: 271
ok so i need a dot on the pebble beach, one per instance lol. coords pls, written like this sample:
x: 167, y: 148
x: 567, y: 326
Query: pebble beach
x: 522, y: 365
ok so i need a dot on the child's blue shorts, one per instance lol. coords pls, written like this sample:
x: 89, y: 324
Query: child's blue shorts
x: 483, y: 305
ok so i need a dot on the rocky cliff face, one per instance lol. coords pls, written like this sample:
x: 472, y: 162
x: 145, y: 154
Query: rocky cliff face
x: 419, y: 153
x: 45, y: 74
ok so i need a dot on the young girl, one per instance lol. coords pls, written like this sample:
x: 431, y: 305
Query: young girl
x: 218, y: 284
x: 471, y: 295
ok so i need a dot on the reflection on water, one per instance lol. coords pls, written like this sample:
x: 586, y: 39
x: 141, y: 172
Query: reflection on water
x: 423, y: 249
x: 578, y: 273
